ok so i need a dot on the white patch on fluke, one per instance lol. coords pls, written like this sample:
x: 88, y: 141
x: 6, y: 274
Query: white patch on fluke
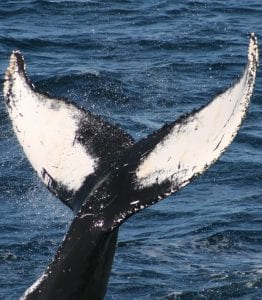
x: 195, y: 143
x: 46, y: 128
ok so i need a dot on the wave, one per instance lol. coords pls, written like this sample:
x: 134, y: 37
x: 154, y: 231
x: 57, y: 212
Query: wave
x: 100, y: 92
x: 16, y: 11
x: 26, y: 43
x: 254, y: 141
x: 232, y: 239
x: 235, y: 290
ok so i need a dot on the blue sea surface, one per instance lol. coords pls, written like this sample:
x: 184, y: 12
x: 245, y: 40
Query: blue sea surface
x: 140, y: 64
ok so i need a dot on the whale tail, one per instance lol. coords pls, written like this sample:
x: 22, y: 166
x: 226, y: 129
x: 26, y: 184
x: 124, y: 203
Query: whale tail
x: 97, y: 170
x: 65, y: 144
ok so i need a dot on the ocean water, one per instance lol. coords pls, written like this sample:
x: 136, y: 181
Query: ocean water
x: 140, y: 64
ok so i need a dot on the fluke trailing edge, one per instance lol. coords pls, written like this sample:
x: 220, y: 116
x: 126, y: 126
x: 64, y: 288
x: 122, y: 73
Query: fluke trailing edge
x: 104, y: 177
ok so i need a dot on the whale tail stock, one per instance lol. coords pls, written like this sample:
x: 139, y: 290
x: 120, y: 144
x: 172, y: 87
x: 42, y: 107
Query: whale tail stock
x: 97, y: 170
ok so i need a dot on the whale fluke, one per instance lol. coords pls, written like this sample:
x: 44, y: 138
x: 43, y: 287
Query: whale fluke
x: 173, y: 156
x: 97, y: 169
x: 65, y: 144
